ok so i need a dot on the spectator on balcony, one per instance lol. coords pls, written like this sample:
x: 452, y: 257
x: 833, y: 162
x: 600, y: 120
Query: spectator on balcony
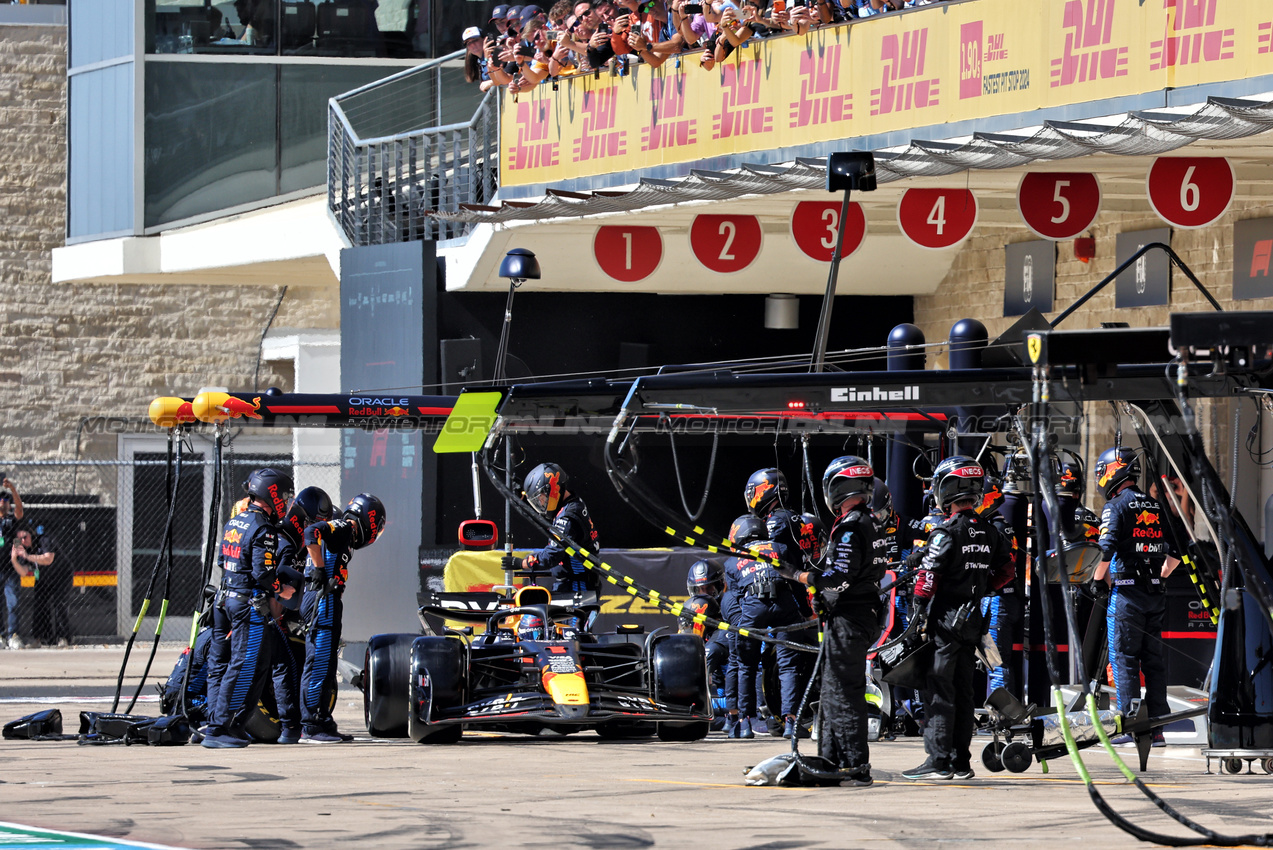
x: 695, y: 27
x: 866, y: 8
x: 514, y: 20
x: 474, y: 56
x: 558, y: 13
x: 533, y: 54
x: 532, y: 13
x: 498, y: 25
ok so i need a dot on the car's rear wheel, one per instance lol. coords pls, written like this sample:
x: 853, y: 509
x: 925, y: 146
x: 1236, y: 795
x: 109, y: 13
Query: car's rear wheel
x: 443, y: 661
x: 386, y: 669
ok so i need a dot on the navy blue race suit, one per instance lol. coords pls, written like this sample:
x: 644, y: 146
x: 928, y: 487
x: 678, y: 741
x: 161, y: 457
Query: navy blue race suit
x: 570, y: 576
x: 322, y: 608
x: 849, y: 581
x: 767, y: 600
x: 1004, y: 613
x: 731, y: 609
x: 239, y: 664
x: 964, y: 559
x: 1135, y: 542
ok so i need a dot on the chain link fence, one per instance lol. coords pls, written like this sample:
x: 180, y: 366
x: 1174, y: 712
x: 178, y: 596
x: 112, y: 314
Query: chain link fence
x: 104, y: 522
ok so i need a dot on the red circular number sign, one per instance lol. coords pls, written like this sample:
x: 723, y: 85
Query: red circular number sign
x: 1190, y: 191
x: 815, y: 226
x: 628, y: 254
x: 1059, y: 206
x: 725, y: 243
x: 937, y: 218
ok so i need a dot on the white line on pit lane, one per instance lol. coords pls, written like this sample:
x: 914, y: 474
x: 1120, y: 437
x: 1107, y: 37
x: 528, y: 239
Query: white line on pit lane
x: 73, y: 700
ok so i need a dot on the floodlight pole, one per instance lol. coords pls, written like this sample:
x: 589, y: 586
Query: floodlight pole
x: 828, y: 299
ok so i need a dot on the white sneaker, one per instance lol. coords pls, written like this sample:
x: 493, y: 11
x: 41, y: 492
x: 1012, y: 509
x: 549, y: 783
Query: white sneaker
x: 15, y: 642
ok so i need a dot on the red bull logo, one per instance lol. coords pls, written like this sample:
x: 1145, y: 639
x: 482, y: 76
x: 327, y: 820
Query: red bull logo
x: 1191, y: 36
x: 904, y: 86
x: 397, y: 411
x: 1086, y: 55
x: 1146, y: 518
x: 532, y: 148
x: 668, y: 125
x: 739, y: 115
x: 233, y: 536
x: 758, y: 492
x: 821, y: 101
x: 236, y: 407
x: 1111, y: 469
x: 600, y: 139
x: 230, y: 551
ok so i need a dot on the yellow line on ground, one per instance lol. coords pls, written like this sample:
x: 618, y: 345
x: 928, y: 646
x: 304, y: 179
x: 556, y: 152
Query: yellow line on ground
x: 696, y: 784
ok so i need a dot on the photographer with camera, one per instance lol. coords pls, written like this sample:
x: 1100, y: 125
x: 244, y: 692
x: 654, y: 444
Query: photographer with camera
x: 11, y: 580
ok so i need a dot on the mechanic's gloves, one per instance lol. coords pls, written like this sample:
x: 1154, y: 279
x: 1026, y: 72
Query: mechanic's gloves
x: 914, y: 559
x: 1100, y: 590
x: 508, y: 562
x: 920, y: 619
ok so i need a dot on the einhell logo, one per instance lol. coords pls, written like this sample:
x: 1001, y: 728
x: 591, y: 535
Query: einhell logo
x: 600, y: 139
x: 874, y: 394
x: 820, y: 99
x: 669, y: 128
x: 1089, y: 32
x: 532, y: 149
x: 903, y: 87
x: 1191, y: 36
x: 740, y: 115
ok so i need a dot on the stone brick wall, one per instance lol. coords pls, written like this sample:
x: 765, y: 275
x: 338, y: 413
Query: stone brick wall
x: 74, y: 351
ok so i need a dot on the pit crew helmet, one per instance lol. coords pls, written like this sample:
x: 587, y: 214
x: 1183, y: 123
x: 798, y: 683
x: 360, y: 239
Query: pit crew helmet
x: 765, y: 489
x: 991, y: 495
x: 368, y: 513
x: 706, y: 577
x: 311, y: 505
x: 846, y: 477
x: 955, y: 479
x: 272, y: 487
x: 545, y: 488
x: 811, y: 534
x: 1071, y: 482
x: 881, y: 500
x: 746, y: 530
x: 1113, y: 467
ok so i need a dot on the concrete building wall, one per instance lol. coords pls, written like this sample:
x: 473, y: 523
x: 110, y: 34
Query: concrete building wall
x: 68, y: 352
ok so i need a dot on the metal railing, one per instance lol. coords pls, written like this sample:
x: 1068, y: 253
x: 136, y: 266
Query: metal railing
x: 411, y: 143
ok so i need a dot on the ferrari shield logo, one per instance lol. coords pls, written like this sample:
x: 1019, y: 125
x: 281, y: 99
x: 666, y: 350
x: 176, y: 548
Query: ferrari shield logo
x: 1034, y: 345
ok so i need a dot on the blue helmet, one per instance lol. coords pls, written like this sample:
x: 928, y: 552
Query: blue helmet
x: 531, y: 627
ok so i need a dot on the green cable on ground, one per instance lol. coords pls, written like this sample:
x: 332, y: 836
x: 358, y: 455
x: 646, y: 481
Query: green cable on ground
x: 1105, y: 741
x: 1068, y: 735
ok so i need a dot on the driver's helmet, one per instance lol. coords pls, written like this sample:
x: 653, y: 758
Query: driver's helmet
x: 531, y: 627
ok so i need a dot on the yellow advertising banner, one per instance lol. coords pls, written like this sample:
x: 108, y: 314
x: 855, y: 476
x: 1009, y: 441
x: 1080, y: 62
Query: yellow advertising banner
x: 939, y: 65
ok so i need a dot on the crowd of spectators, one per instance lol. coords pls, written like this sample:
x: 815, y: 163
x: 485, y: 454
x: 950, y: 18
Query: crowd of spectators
x: 523, y: 45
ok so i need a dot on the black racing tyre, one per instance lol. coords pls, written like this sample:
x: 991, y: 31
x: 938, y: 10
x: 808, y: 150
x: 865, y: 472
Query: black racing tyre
x: 992, y: 756
x: 386, y: 677
x: 619, y: 730
x: 678, y: 665
x: 1016, y: 757
x: 682, y: 732
x: 445, y: 662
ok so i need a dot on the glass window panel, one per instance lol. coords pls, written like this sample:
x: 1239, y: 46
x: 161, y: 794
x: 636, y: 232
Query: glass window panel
x: 210, y: 137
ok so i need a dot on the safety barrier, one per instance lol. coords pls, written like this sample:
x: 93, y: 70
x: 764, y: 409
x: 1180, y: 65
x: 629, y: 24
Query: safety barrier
x: 415, y: 141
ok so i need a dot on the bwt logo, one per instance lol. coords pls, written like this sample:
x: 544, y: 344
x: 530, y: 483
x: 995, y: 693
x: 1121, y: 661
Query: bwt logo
x: 532, y: 150
x: 600, y: 139
x: 1261, y: 257
x: 1191, y: 36
x: 901, y: 89
x: 668, y: 127
x: 739, y: 115
x: 1087, y: 56
x: 820, y: 99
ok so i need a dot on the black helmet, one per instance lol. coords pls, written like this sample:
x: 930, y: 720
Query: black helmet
x: 1114, y: 467
x: 1071, y: 482
x: 811, y: 534
x: 545, y: 488
x: 991, y: 495
x: 368, y: 513
x: 765, y: 488
x: 706, y: 577
x: 957, y: 478
x: 272, y: 487
x: 311, y: 505
x: 846, y: 476
x: 881, y: 500
x: 746, y: 530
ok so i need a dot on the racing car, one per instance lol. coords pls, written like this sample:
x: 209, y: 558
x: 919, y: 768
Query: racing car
x: 536, y: 666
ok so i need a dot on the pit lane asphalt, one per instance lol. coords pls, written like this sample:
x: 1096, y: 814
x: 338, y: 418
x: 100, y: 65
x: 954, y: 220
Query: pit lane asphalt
x: 575, y: 792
